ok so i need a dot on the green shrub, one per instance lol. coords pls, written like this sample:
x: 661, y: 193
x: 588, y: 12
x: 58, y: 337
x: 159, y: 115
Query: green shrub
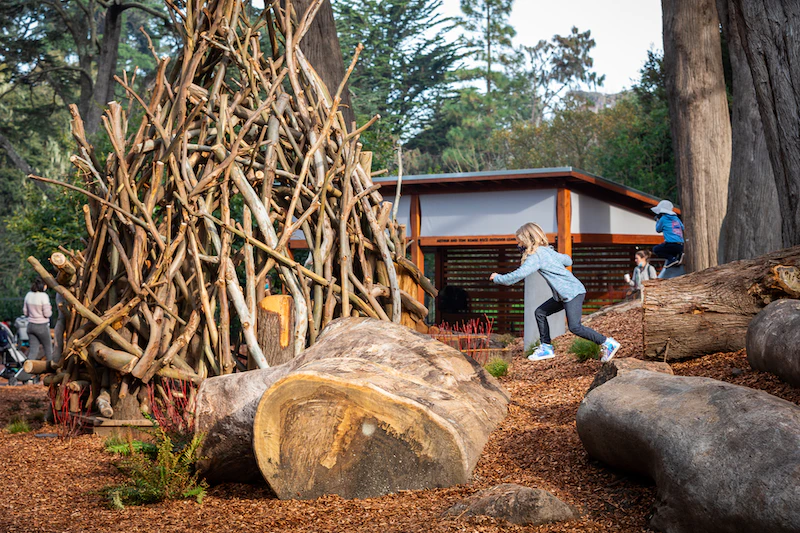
x: 120, y: 446
x: 505, y: 339
x: 18, y: 425
x: 532, y: 348
x: 585, y: 350
x: 497, y: 367
x: 168, y: 475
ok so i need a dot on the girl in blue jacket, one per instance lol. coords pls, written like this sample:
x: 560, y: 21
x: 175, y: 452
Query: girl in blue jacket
x: 568, y: 291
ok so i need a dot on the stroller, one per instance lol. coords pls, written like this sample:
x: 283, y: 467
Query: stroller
x: 11, y: 358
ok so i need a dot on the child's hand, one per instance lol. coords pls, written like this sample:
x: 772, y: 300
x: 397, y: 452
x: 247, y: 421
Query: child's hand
x: 494, y: 274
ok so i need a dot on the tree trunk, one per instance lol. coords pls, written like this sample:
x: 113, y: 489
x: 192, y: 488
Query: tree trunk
x: 709, y: 311
x: 750, y: 227
x: 768, y: 33
x: 371, y: 408
x: 103, y: 91
x: 22, y: 165
x: 276, y: 329
x: 321, y: 47
x: 701, y: 131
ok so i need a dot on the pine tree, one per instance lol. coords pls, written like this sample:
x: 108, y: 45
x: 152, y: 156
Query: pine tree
x: 487, y: 21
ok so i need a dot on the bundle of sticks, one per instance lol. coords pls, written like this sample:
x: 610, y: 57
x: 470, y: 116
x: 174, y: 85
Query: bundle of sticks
x: 240, y: 150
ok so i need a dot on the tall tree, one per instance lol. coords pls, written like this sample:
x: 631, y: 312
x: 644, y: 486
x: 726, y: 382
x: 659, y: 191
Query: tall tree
x: 71, y: 43
x: 701, y: 130
x: 321, y: 47
x: 542, y: 74
x: 405, y: 70
x: 748, y: 230
x: 768, y: 31
x: 487, y: 21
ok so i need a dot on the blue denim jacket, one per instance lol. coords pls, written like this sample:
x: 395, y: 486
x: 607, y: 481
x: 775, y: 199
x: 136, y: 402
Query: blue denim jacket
x: 552, y: 266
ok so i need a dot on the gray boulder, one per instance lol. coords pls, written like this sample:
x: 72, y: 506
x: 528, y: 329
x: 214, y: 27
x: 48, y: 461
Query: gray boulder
x: 724, y: 458
x: 617, y: 367
x: 516, y: 504
x: 773, y: 340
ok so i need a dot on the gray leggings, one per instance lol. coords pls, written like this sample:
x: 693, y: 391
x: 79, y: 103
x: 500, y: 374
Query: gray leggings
x: 39, y: 334
x: 574, y: 310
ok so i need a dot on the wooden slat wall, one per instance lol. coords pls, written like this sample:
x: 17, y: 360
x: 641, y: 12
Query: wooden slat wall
x: 600, y: 267
x: 469, y: 269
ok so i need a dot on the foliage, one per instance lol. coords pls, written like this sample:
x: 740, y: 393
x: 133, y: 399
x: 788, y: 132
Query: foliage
x: 488, y: 32
x: 404, y: 70
x: 531, y: 348
x: 584, y: 350
x: 170, y: 475
x: 497, y: 367
x: 506, y: 338
x: 130, y: 447
x: 18, y: 425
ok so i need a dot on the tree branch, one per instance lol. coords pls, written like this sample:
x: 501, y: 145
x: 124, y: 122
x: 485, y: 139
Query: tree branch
x: 22, y: 164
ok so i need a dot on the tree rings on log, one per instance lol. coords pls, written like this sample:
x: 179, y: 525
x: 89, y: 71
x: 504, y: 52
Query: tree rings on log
x: 375, y: 408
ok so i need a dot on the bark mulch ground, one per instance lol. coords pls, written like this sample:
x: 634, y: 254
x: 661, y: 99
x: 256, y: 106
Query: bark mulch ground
x: 52, y: 485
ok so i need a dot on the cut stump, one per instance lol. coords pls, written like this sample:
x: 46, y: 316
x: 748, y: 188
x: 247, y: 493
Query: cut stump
x: 374, y: 408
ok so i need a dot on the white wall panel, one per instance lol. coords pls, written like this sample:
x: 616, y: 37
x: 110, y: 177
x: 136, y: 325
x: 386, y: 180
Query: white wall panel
x: 590, y: 215
x: 486, y: 213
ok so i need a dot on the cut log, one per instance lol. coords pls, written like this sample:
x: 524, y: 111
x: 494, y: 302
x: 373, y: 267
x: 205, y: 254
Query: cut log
x: 709, y: 311
x: 773, y: 340
x: 375, y: 408
x: 372, y: 408
x: 38, y: 366
x: 276, y: 329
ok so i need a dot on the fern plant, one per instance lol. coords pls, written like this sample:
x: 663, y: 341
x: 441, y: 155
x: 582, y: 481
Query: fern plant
x: 168, y: 475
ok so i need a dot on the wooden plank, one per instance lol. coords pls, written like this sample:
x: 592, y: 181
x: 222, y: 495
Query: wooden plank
x: 416, y: 251
x: 564, y: 218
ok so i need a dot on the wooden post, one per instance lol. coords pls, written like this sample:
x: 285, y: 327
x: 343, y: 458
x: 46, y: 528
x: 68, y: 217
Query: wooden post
x: 439, y: 277
x: 276, y: 329
x: 417, y: 257
x: 564, y: 218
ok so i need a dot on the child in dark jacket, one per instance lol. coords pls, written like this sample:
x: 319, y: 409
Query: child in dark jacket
x: 668, y: 223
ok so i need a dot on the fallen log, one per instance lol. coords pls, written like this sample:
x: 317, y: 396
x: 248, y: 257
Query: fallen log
x: 773, y: 341
x: 709, y: 311
x: 724, y: 458
x: 372, y: 408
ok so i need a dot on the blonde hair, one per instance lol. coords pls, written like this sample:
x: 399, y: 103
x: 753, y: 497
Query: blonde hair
x: 532, y: 236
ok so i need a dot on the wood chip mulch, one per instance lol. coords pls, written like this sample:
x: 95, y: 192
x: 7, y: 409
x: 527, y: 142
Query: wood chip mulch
x: 52, y: 485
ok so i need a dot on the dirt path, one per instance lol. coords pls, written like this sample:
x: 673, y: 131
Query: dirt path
x: 49, y: 485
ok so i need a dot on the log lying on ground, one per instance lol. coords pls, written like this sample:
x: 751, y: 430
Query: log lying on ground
x: 724, y: 458
x: 371, y: 408
x: 773, y: 340
x: 709, y: 311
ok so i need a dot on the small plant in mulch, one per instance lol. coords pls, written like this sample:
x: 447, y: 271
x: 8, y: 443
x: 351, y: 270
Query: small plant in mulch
x: 585, y: 350
x: 506, y: 339
x: 128, y: 447
x: 531, y: 348
x: 169, y: 474
x: 18, y: 425
x: 497, y: 367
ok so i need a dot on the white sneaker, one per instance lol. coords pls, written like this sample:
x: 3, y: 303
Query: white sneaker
x: 609, y: 349
x: 544, y: 351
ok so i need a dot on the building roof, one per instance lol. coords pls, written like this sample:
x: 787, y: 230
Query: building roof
x: 569, y: 177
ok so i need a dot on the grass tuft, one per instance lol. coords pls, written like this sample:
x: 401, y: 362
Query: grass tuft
x: 497, y: 367
x: 505, y: 339
x: 585, y: 350
x: 18, y: 425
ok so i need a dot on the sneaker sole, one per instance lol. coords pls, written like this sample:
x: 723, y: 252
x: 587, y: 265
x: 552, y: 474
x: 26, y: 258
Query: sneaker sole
x: 610, y: 356
x: 531, y: 358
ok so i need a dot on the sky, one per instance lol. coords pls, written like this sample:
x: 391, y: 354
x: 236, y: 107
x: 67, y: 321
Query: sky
x: 623, y: 29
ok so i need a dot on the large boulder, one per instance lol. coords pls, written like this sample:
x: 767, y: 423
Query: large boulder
x: 724, y: 458
x: 617, y: 367
x: 516, y: 504
x: 773, y: 340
